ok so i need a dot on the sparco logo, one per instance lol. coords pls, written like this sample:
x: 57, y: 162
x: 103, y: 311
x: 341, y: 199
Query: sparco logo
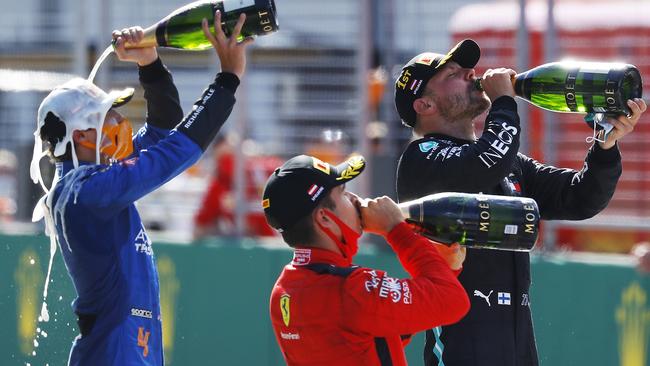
x: 141, y: 313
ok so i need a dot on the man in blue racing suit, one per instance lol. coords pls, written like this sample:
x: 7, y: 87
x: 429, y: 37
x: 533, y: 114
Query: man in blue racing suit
x: 101, y: 170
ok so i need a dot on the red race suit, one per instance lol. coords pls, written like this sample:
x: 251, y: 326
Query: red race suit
x: 326, y: 311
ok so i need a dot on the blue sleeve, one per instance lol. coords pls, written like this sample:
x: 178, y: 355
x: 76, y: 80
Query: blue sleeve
x: 147, y: 136
x: 118, y: 185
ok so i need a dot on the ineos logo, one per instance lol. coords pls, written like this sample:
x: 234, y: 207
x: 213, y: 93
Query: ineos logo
x: 499, y: 146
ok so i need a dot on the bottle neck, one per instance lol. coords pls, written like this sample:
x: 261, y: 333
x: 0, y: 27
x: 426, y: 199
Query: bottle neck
x: 517, y: 82
x: 149, y: 39
x: 405, y: 207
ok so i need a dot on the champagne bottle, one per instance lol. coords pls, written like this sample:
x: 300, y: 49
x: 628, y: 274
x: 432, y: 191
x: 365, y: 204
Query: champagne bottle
x: 182, y: 28
x: 475, y: 220
x: 580, y: 87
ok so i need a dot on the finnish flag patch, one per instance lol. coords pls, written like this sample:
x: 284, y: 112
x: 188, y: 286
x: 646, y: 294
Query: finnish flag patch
x: 503, y: 298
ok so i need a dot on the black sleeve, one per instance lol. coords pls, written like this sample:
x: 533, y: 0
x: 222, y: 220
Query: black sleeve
x: 163, y: 104
x: 567, y: 194
x: 472, y: 167
x: 211, y: 111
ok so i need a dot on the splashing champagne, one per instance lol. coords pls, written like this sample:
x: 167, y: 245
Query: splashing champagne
x: 579, y: 87
x: 475, y: 220
x: 182, y: 28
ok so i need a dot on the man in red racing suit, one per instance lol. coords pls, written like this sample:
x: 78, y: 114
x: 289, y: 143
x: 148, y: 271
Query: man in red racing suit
x: 327, y: 311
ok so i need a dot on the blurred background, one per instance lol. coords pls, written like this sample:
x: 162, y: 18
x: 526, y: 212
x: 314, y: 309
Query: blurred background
x: 322, y: 85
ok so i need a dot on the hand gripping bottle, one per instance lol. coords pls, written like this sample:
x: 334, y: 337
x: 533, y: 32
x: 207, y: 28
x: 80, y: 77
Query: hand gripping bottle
x: 182, y: 28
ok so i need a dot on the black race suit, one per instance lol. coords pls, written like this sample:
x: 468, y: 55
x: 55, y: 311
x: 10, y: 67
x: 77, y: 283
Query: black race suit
x: 498, y: 330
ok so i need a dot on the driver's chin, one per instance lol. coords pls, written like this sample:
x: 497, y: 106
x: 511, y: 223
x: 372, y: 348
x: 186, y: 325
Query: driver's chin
x: 481, y: 104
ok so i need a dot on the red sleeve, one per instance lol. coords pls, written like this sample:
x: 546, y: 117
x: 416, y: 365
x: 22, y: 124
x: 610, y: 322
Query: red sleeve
x: 381, y: 305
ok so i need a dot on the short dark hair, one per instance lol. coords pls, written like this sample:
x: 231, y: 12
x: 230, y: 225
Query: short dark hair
x: 304, y: 231
x: 52, y: 132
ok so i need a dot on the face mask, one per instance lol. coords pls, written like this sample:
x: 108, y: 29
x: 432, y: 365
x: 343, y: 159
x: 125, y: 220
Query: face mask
x: 598, y: 122
x: 116, y: 139
x: 350, y: 244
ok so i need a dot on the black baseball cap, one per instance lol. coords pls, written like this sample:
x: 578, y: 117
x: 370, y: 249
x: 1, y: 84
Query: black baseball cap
x: 295, y: 189
x: 409, y: 86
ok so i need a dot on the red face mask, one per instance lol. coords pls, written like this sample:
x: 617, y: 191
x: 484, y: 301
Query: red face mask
x: 350, y: 243
x: 117, y: 139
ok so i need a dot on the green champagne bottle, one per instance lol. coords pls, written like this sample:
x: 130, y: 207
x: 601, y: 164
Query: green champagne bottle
x: 580, y: 87
x: 182, y: 28
x: 475, y: 220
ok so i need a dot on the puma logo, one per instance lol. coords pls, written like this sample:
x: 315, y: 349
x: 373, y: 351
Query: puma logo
x: 486, y: 297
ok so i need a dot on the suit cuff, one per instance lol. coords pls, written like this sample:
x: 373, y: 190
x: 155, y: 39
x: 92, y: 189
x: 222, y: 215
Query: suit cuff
x: 505, y: 102
x: 401, y: 235
x: 227, y: 81
x: 612, y: 154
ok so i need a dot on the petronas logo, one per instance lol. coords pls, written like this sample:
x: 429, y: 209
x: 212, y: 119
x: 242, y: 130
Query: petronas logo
x: 633, y: 318
x: 29, y: 279
x: 169, y: 285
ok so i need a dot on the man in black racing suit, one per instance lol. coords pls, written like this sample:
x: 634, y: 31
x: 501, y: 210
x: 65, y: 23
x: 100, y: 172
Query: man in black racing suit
x: 436, y: 95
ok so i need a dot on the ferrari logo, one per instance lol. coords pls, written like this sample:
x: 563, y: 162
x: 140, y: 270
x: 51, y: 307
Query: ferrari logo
x: 284, y: 308
x: 266, y: 203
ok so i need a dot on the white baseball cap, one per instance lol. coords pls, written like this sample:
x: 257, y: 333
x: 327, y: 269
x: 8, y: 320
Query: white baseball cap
x: 78, y: 105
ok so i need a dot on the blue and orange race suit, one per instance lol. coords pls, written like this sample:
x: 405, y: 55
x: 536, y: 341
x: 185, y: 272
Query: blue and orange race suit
x: 105, y: 246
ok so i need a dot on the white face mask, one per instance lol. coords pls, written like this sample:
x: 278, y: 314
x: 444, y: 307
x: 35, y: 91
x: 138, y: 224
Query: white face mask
x: 599, y: 119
